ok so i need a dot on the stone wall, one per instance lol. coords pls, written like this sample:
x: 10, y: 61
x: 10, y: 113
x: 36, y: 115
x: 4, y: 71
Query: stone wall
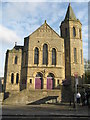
x: 32, y: 96
x: 71, y: 42
x: 11, y: 67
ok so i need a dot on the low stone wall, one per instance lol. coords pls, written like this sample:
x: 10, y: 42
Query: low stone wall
x: 1, y: 98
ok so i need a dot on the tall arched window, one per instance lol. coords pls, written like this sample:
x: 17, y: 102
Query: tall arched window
x: 15, y: 60
x: 36, y: 56
x: 74, y: 32
x: 12, y: 78
x: 81, y: 56
x: 53, y: 56
x: 17, y: 78
x: 80, y: 33
x: 75, y: 55
x: 45, y: 54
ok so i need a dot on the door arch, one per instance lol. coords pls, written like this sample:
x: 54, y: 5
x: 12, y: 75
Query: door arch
x: 39, y: 81
x: 50, y: 81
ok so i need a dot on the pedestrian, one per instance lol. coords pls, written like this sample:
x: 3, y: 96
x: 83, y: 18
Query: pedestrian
x: 83, y: 99
x: 85, y: 94
x: 78, y: 96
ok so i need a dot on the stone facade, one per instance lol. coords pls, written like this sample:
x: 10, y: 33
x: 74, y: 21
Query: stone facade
x: 11, y: 67
x: 65, y: 68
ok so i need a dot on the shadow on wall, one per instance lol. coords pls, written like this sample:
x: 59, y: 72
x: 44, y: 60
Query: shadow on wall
x: 68, y: 89
x: 6, y: 95
x: 44, y: 100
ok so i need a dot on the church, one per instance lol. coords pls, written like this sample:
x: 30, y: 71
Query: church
x: 39, y: 67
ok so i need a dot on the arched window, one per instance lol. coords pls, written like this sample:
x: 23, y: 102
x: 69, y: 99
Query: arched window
x: 74, y: 32
x: 17, y: 78
x: 12, y: 78
x: 80, y: 33
x: 75, y: 55
x: 15, y: 60
x: 53, y: 56
x: 81, y: 56
x: 45, y: 54
x: 36, y: 56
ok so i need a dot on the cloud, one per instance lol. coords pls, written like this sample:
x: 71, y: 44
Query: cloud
x: 23, y: 16
x: 46, y: 1
x: 82, y: 14
x: 85, y: 35
x: 8, y: 36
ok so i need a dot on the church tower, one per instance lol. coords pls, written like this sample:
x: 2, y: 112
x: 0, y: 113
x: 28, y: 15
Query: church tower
x: 71, y: 31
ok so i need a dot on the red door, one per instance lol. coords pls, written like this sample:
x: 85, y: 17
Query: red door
x: 49, y: 83
x: 37, y: 83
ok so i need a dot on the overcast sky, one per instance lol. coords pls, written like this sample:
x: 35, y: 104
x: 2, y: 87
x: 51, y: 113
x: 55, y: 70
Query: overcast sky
x: 19, y: 19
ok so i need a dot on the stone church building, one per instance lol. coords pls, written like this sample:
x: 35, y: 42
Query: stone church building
x: 45, y: 60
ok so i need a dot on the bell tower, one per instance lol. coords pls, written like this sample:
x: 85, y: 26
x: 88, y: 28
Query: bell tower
x: 71, y: 31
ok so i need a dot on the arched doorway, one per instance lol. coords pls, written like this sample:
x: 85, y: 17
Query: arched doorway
x: 50, y: 81
x: 39, y: 81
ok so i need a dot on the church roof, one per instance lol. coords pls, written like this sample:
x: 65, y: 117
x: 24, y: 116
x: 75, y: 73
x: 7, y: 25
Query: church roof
x: 18, y: 47
x: 45, y: 27
x: 70, y: 14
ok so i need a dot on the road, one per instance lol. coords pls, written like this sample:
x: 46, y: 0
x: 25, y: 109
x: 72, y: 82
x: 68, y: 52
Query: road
x: 39, y: 112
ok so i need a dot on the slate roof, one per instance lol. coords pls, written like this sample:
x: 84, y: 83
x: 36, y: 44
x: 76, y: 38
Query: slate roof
x: 70, y: 14
x: 18, y: 47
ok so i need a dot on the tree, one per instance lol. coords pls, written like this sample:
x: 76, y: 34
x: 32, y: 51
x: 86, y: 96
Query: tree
x: 87, y: 73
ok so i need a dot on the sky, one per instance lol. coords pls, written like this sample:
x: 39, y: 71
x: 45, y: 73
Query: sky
x: 20, y: 19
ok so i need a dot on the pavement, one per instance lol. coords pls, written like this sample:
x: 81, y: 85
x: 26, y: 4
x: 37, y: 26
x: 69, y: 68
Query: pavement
x: 62, y: 111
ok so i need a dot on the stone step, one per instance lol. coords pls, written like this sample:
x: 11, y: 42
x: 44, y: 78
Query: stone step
x: 27, y: 97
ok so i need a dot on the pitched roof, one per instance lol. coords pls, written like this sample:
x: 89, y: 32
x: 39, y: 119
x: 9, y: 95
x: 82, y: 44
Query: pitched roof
x: 44, y: 27
x: 70, y: 14
x: 18, y: 47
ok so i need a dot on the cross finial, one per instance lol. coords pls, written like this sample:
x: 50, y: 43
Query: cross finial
x: 15, y: 43
x: 45, y: 21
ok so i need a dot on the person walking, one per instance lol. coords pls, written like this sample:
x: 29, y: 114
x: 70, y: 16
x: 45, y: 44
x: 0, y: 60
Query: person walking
x: 78, y: 96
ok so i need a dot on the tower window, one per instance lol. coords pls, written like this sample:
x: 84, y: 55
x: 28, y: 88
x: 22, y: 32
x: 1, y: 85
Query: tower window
x: 80, y: 33
x: 45, y: 54
x: 66, y: 32
x: 74, y: 32
x: 30, y: 81
x: 12, y: 78
x: 17, y: 78
x: 36, y: 56
x: 53, y: 56
x: 58, y: 82
x: 81, y: 56
x: 75, y: 55
x: 15, y: 60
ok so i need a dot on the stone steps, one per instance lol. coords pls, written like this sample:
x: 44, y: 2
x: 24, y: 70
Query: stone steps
x: 27, y: 97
